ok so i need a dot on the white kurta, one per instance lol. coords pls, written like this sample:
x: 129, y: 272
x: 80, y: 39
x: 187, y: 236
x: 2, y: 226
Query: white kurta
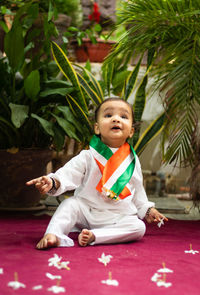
x: 111, y: 221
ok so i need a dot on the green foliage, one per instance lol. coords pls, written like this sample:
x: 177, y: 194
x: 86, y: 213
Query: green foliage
x: 32, y: 98
x: 88, y: 94
x: 71, y: 8
x: 170, y: 30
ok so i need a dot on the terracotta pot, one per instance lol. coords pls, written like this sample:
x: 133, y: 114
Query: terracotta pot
x: 93, y: 52
x: 16, y: 170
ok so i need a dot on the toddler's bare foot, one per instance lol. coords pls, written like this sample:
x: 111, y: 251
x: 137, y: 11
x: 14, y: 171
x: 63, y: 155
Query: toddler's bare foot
x: 49, y: 240
x: 85, y: 237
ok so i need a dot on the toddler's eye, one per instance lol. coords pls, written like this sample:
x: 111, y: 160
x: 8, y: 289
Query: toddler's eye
x: 107, y: 115
x: 124, y: 117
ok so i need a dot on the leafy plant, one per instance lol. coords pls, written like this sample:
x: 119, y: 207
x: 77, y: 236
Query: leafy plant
x: 34, y: 112
x: 89, y: 93
x: 170, y: 29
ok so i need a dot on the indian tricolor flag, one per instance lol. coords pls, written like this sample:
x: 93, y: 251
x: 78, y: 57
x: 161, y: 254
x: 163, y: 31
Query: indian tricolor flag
x: 116, y: 168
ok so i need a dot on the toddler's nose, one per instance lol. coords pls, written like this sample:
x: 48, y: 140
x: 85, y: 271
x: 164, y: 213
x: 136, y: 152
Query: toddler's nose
x: 116, y: 118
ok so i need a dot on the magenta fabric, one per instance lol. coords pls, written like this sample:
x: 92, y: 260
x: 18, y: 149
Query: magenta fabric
x: 132, y: 264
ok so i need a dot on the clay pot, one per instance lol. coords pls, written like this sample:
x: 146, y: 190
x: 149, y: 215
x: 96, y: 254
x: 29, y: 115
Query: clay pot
x: 16, y: 170
x: 93, y: 52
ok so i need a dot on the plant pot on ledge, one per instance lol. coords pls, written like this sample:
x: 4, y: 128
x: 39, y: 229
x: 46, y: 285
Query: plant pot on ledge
x: 16, y: 170
x: 93, y: 52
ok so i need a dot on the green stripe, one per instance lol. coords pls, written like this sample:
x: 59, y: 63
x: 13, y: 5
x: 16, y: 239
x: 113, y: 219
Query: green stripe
x: 100, y: 147
x: 105, y: 151
x: 121, y: 182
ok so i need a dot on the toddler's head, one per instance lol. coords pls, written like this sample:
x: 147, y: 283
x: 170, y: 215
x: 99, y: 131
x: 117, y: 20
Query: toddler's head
x: 114, y: 120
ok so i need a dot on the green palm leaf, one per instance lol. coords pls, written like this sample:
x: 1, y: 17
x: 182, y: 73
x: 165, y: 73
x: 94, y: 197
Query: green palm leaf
x: 171, y: 29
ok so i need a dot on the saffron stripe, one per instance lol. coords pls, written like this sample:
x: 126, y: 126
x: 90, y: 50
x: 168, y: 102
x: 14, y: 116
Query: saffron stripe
x: 119, y: 171
x: 114, y: 162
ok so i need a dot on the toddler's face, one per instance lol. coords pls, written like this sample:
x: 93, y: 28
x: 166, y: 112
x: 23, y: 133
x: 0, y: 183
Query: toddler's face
x: 114, y: 123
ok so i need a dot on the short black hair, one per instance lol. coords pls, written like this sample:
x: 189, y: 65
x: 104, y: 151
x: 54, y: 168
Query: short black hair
x: 113, y: 99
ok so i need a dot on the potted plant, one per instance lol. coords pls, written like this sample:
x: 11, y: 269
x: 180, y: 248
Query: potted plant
x: 34, y: 115
x: 91, y: 44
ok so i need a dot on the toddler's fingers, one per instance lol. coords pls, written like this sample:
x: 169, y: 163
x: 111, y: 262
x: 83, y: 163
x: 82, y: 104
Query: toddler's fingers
x: 32, y: 181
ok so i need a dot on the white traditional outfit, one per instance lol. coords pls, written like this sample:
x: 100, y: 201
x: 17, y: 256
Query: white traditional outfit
x: 103, y: 202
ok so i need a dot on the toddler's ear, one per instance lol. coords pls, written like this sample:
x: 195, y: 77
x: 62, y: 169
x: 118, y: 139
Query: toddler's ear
x: 132, y: 132
x: 96, y: 129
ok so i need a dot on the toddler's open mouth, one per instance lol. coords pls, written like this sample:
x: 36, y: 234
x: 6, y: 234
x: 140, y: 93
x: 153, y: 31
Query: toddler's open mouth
x: 115, y: 128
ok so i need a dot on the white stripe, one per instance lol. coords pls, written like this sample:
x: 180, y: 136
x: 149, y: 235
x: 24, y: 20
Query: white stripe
x: 119, y: 171
x: 98, y: 156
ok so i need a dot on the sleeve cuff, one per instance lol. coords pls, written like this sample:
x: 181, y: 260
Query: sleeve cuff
x: 142, y: 211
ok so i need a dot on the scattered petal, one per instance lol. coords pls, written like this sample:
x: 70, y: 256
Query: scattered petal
x: 56, y: 289
x: 191, y: 251
x: 1, y: 271
x: 105, y: 259
x: 163, y: 284
x: 39, y: 287
x: 155, y: 277
x: 52, y: 277
x: 54, y: 260
x: 160, y: 223
x: 110, y: 282
x: 164, y: 270
x: 16, y: 285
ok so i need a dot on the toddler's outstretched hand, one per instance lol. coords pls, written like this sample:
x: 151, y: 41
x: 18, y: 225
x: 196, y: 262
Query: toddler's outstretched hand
x: 155, y: 216
x: 43, y: 184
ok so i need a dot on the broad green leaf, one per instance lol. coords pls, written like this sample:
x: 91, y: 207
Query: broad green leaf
x: 32, y: 85
x: 50, y: 11
x: 67, y: 113
x: 59, y: 138
x: 67, y: 127
x: 48, y: 126
x: 69, y: 72
x: 56, y: 91
x: 4, y: 26
x: 19, y: 113
x: 14, y: 46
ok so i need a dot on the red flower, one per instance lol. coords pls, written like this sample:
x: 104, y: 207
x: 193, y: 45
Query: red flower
x: 95, y: 15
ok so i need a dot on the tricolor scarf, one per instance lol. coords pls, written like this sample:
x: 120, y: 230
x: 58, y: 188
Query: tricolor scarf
x: 116, y: 168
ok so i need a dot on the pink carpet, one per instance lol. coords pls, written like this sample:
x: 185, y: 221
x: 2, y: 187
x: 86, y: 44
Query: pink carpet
x: 131, y: 266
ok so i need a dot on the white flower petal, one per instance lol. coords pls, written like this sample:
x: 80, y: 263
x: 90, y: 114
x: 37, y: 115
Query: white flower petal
x: 39, y: 287
x: 110, y: 282
x: 56, y: 289
x: 164, y: 270
x: 52, y: 277
x: 16, y: 285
